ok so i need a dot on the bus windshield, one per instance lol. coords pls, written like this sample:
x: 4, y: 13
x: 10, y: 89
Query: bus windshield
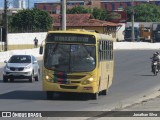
x: 70, y: 57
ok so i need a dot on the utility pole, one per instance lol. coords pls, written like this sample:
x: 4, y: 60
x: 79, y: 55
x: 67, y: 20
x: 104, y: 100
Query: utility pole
x: 5, y: 19
x: 132, y: 19
x: 63, y: 16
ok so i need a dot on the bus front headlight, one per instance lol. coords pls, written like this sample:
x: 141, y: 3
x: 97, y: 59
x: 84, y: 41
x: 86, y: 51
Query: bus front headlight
x: 47, y: 77
x: 88, y: 81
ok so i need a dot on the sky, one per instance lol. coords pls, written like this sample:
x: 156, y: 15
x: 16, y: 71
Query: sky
x: 31, y: 2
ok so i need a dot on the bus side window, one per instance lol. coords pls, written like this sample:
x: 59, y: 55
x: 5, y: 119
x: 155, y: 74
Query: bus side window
x: 110, y: 44
x: 100, y: 50
x: 111, y: 50
x: 107, y: 50
x: 105, y: 55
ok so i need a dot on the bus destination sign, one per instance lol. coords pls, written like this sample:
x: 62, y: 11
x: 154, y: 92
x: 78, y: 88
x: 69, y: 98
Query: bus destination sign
x: 71, y: 38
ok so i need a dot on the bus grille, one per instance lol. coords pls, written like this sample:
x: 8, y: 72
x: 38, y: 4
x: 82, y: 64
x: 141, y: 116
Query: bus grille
x: 68, y: 87
x: 75, y: 81
x: 75, y: 76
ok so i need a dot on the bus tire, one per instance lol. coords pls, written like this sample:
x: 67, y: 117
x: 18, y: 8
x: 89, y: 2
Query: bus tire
x: 94, y: 96
x: 104, y: 92
x: 49, y: 95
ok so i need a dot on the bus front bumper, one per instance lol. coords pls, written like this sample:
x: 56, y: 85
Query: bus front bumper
x: 78, y: 88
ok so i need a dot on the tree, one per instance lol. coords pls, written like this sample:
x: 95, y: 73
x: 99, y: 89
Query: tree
x: 31, y: 19
x: 144, y: 13
x: 77, y: 10
x: 100, y: 14
x: 96, y: 12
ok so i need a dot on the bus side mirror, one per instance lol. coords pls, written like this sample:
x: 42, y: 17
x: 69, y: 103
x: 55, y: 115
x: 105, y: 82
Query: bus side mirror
x: 41, y: 50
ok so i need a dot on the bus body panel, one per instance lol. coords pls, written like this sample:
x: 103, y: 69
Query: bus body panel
x: 102, y: 74
x: 106, y: 75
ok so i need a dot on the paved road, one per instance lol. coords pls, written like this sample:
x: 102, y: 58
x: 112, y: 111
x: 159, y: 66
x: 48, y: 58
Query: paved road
x: 132, y: 80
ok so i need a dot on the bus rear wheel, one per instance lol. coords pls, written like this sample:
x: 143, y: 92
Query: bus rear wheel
x: 105, y: 92
x: 49, y: 95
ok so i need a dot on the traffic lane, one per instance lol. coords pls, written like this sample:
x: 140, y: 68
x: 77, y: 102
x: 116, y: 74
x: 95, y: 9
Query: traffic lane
x: 20, y: 92
x: 22, y: 95
x: 31, y: 97
x: 18, y: 84
x: 134, y: 78
x: 133, y: 65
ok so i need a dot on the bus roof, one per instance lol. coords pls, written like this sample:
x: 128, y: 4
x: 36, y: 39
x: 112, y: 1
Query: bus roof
x: 72, y: 31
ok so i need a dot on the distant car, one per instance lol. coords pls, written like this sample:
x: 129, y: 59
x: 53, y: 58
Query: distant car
x: 21, y: 67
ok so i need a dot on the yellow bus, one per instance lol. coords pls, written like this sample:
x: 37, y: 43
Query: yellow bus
x: 77, y: 61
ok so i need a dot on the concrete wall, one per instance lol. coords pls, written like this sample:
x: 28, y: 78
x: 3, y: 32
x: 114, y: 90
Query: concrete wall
x: 23, y: 40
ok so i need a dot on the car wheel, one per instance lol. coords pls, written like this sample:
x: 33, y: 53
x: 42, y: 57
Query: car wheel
x: 5, y: 78
x: 31, y: 77
x: 37, y: 77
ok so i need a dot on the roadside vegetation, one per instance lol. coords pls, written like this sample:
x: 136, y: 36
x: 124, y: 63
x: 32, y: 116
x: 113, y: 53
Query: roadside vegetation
x: 29, y: 20
x: 96, y: 12
x: 144, y: 13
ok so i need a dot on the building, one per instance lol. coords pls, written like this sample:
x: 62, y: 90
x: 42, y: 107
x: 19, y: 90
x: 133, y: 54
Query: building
x: 85, y: 21
x: 55, y: 6
x: 109, y: 5
x: 112, y: 5
x: 19, y: 4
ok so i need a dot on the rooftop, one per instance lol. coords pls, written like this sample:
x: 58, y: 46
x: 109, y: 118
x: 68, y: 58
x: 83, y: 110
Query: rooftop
x: 81, y: 20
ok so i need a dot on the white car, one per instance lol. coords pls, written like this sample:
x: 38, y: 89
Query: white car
x: 21, y: 67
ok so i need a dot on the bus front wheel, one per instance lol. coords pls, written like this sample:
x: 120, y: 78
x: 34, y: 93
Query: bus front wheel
x: 94, y: 96
x: 49, y: 95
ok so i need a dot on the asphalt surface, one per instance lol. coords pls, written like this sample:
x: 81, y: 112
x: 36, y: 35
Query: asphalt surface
x: 133, y: 81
